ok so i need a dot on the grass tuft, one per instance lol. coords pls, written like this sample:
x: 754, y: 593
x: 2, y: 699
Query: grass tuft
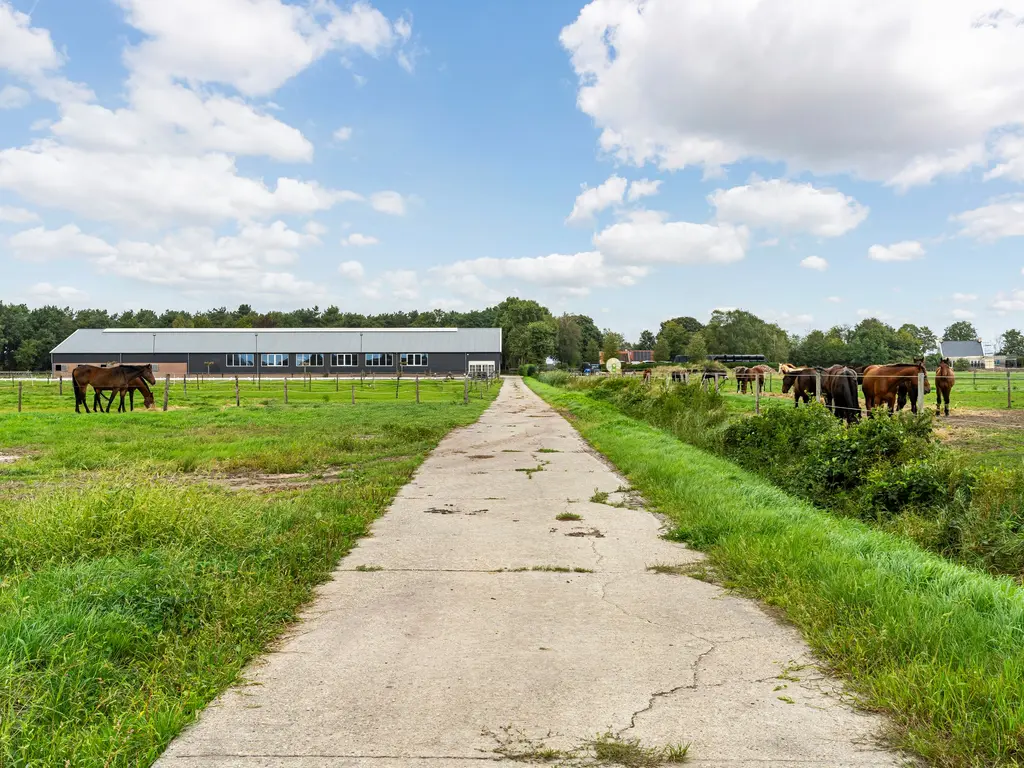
x: 567, y: 516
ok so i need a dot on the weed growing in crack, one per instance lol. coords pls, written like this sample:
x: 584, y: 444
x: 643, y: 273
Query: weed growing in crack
x: 609, y: 748
x: 785, y: 699
x: 599, y: 497
x: 364, y: 568
x: 672, y: 570
x: 547, y: 568
x: 566, y: 516
x: 604, y: 750
x: 548, y: 450
x: 530, y: 470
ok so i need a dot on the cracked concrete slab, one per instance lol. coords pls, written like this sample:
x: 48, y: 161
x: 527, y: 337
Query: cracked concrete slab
x: 422, y: 662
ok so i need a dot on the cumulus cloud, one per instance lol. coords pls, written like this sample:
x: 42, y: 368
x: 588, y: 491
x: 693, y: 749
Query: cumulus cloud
x: 963, y: 314
x: 965, y: 297
x: 13, y: 97
x: 357, y: 240
x: 593, y: 200
x: 41, y: 244
x: 646, y: 238
x: 1008, y: 302
x: 814, y: 262
x: 57, y: 293
x: 907, y: 250
x: 643, y: 188
x: 389, y: 202
x: 888, y: 91
x: 1003, y: 217
x: 353, y: 270
x: 17, y: 215
x: 343, y: 134
x: 1009, y: 151
x: 777, y: 204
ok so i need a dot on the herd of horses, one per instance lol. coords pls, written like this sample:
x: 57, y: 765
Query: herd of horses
x: 891, y: 386
x: 116, y: 380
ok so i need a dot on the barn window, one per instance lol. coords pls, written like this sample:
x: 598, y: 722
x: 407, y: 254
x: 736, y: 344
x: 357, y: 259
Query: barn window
x: 414, y: 358
x: 274, y: 361
x: 344, y: 360
x: 240, y: 360
x: 380, y: 359
x: 314, y: 360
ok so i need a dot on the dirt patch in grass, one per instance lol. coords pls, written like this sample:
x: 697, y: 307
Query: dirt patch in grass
x: 8, y: 458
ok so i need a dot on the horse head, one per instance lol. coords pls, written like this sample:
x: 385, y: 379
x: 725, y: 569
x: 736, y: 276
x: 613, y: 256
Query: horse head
x: 147, y: 373
x: 787, y: 382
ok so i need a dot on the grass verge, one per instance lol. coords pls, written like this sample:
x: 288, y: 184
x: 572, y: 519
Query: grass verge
x: 934, y: 645
x: 134, y: 584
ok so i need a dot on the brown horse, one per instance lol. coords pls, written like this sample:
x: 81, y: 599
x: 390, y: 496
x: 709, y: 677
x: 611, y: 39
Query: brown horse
x: 742, y: 378
x: 882, y: 384
x: 118, y: 377
x: 138, y: 385
x: 758, y: 374
x: 944, y: 381
x: 803, y: 383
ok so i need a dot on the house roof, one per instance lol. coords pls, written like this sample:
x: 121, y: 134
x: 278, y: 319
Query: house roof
x: 220, y: 340
x: 956, y: 349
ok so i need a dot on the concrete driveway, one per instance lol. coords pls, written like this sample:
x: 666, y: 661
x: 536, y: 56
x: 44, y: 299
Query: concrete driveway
x: 431, y: 646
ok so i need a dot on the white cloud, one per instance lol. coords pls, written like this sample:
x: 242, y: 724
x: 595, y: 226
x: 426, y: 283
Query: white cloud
x: 648, y: 239
x: 315, y: 228
x: 252, y: 45
x: 782, y: 205
x: 593, y: 200
x: 924, y: 169
x: 25, y: 50
x: 814, y: 262
x: 403, y: 284
x: 1003, y: 217
x: 357, y: 240
x: 577, y: 272
x: 41, y: 244
x: 965, y: 297
x: 835, y: 299
x: 872, y: 87
x: 1008, y: 302
x: 963, y: 314
x: 789, y: 320
x: 343, y: 134
x: 907, y: 250
x: 878, y: 314
x: 643, y: 188
x: 17, y: 215
x: 353, y: 270
x: 152, y: 188
x: 61, y: 293
x: 13, y: 97
x: 1010, y: 150
x: 388, y: 202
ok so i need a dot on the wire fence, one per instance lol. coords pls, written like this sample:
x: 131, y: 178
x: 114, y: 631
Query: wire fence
x: 172, y: 392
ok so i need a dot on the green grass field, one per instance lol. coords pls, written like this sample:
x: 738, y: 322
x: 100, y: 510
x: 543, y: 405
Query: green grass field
x: 145, y: 557
x: 42, y: 395
x: 934, y: 645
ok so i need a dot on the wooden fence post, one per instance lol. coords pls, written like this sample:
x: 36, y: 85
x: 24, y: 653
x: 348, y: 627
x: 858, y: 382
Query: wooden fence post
x: 974, y: 378
x: 19, y: 395
x: 398, y: 382
x: 757, y: 397
x: 817, y: 386
x: 61, y: 385
x: 920, y: 392
x: 336, y: 384
x: 465, y: 390
x: 353, y: 394
x: 237, y: 400
x: 1009, y: 390
x: 417, y: 389
x: 286, y: 390
x: 167, y: 387
x: 184, y: 384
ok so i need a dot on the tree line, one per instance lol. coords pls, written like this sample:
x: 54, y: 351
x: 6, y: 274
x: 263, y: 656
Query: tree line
x: 531, y: 333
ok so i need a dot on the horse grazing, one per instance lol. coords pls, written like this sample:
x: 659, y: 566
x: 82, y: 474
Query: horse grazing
x: 138, y: 385
x: 839, y: 385
x: 883, y: 384
x: 802, y: 381
x: 742, y: 378
x: 118, y: 377
x: 944, y: 381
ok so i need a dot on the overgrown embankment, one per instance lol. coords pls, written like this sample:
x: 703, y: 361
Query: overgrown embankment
x: 889, y: 472
x: 935, y: 645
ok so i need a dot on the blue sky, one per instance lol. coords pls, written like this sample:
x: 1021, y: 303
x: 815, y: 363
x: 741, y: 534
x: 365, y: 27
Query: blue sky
x: 812, y: 165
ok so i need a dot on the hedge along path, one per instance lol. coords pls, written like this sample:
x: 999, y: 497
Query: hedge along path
x: 473, y: 626
x: 935, y: 645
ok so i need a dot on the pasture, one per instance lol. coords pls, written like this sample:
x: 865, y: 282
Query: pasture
x: 146, y: 556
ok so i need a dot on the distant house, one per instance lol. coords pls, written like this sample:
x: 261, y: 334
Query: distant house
x: 974, y: 352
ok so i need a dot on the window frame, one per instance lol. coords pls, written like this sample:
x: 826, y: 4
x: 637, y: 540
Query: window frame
x: 387, y: 359
x: 281, y: 359
x: 231, y: 360
x: 314, y: 359
x: 424, y: 359
x: 353, y: 356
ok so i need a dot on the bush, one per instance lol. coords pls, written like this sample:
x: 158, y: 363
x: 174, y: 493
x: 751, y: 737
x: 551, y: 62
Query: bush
x: 960, y: 364
x: 555, y: 378
x: 528, y: 369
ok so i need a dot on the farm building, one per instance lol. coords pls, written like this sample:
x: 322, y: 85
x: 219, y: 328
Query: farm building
x: 287, y: 351
x: 974, y: 352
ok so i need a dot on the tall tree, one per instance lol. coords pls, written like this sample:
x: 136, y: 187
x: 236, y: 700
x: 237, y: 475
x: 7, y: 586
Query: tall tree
x: 1011, y: 343
x: 646, y: 340
x: 662, y: 351
x: 675, y: 338
x: 961, y: 330
x: 611, y: 343
x: 926, y: 340
x: 688, y: 324
x: 697, y: 349
x: 569, y: 341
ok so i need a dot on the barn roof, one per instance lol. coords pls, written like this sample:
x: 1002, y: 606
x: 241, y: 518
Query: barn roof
x: 199, y: 340
x: 956, y: 349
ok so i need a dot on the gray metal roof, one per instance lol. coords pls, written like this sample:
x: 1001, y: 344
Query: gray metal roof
x: 955, y: 349
x: 200, y: 340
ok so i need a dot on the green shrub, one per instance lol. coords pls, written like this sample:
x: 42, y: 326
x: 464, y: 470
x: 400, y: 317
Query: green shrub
x: 555, y: 378
x: 528, y: 369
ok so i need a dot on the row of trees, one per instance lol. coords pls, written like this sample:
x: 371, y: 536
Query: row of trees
x: 530, y: 333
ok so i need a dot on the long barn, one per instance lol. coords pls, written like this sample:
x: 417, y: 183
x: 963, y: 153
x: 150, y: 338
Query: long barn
x: 287, y: 351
